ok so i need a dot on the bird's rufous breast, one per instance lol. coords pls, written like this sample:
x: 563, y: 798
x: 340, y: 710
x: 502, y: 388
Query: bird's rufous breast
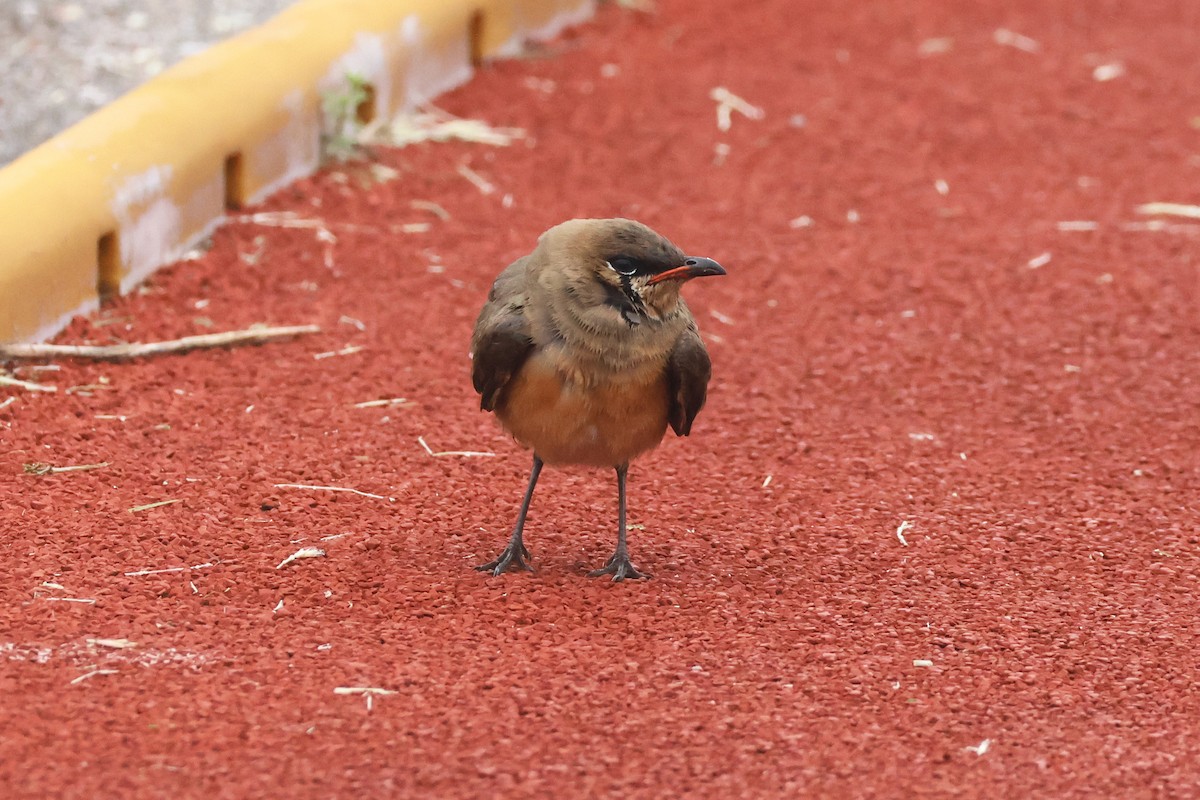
x: 569, y: 420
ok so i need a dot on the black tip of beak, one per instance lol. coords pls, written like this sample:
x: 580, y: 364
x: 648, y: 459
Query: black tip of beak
x: 703, y: 267
x: 692, y: 268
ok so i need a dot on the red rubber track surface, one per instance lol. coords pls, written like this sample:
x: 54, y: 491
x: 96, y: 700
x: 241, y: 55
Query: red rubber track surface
x: 897, y: 361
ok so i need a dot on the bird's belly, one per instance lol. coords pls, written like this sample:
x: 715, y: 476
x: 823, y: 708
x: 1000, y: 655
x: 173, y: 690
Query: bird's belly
x: 566, y: 422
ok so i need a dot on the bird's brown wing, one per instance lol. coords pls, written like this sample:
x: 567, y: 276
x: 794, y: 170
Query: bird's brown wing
x: 688, y: 371
x: 502, y: 339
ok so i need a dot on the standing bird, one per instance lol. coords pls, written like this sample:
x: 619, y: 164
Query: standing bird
x: 586, y: 352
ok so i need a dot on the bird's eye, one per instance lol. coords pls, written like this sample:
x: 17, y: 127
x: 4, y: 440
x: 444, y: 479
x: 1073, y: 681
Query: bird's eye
x: 623, y: 265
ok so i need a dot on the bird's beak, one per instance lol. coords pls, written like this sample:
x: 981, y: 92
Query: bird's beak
x: 692, y: 268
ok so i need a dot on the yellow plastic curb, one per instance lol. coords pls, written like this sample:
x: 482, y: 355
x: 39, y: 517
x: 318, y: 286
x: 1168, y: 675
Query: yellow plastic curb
x: 130, y: 188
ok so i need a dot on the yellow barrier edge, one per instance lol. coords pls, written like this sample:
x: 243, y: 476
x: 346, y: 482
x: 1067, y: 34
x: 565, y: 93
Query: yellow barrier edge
x: 133, y: 186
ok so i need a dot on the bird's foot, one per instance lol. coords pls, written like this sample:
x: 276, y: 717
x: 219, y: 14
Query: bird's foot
x: 513, y: 557
x: 620, y: 567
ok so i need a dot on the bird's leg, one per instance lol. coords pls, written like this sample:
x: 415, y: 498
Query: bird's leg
x: 515, y: 554
x: 619, y: 565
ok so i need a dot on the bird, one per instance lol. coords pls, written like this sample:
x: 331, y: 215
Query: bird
x: 585, y: 352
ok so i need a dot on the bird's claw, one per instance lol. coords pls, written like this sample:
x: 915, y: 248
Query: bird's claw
x: 619, y: 567
x: 511, y: 558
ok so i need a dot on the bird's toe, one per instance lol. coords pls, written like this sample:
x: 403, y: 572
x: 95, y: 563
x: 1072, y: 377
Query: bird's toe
x: 509, y: 560
x: 619, y: 568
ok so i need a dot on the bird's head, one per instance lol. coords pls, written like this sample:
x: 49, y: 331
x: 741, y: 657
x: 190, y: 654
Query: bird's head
x: 621, y: 269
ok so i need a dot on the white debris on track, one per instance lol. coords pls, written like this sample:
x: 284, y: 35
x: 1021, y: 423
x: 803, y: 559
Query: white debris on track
x: 303, y: 552
x: 728, y: 102
x: 435, y: 125
x: 92, y: 653
x: 63, y: 59
x: 1003, y: 36
x: 981, y: 748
